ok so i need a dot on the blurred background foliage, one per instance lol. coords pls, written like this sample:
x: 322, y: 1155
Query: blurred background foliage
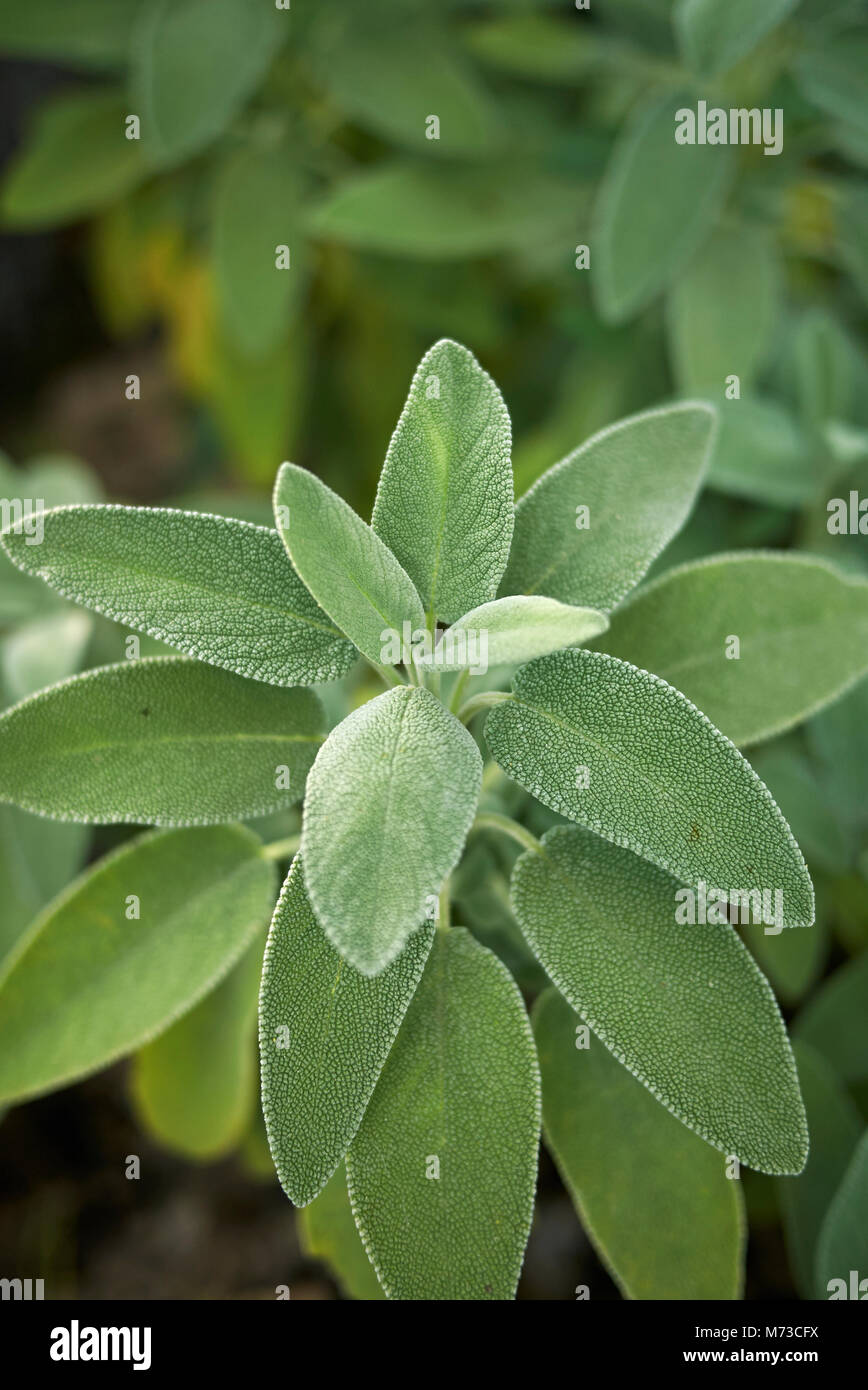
x: 307, y: 127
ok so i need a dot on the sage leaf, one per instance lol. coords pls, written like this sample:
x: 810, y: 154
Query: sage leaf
x: 258, y: 209
x: 43, y: 651
x: 511, y: 630
x: 37, y: 859
x: 811, y: 814
x: 685, y: 1009
x: 161, y: 741
x: 93, y: 33
x: 793, y: 961
x: 442, y: 1172
x: 92, y: 981
x: 328, y: 1232
x: 801, y: 627
x: 444, y: 501
x: 324, y: 1034
x: 619, y: 751
x: 194, y: 1086
x: 215, y: 588
x: 843, y: 1242
x: 657, y: 202
x: 76, y: 160
x: 835, y: 1127
x: 722, y: 311
x: 663, y: 1216
x: 347, y: 567
x: 760, y: 453
x: 713, y: 36
x: 835, y: 1021
x: 831, y: 73
x: 195, y: 63
x: 838, y: 737
x: 590, y: 527
x: 388, y: 806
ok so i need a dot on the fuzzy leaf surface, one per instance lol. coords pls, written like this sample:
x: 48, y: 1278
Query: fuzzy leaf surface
x: 460, y: 1088
x: 324, y: 1033
x: 161, y: 741
x: 802, y: 627
x: 444, y: 502
x: 389, y: 803
x: 215, y: 588
x: 638, y: 479
x: 661, y: 779
x: 347, y: 567
x: 87, y: 984
x: 516, y: 629
x: 684, y: 1008
x: 664, y: 1218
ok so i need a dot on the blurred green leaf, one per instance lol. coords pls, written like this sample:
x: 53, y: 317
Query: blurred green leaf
x: 76, y: 160
x: 713, y: 36
x: 839, y: 738
x: 43, y: 651
x: 834, y: 1126
x: 329, y: 1233
x: 258, y: 208
x: 722, y: 312
x: 801, y: 794
x: 665, y: 1219
x: 93, y: 33
x: 761, y: 454
x: 194, y: 1086
x: 91, y: 982
x: 195, y: 64
x: 835, y: 1021
x: 831, y: 73
x: 658, y: 202
x: 842, y: 1246
x: 37, y: 859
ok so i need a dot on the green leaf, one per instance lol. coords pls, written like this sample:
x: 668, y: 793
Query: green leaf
x: 443, y: 1169
x: 389, y: 76
x: 761, y: 454
x: 621, y: 752
x: 515, y: 629
x: 324, y: 1033
x: 346, y: 566
x: 831, y: 73
x: 215, y: 588
x: 195, y: 63
x: 161, y: 741
x: 792, y: 961
x: 389, y: 803
x: 257, y: 208
x: 88, y: 983
x: 835, y: 1128
x: 94, y: 33
x: 447, y: 214
x: 444, y: 502
x: 37, y: 859
x: 663, y: 1216
x: 194, y: 1086
x: 839, y: 739
x: 723, y: 311
x: 802, y: 629
x: 657, y: 203
x: 684, y: 1009
x: 843, y: 1242
x: 713, y: 36
x: 328, y: 1232
x: 76, y: 161
x: 638, y: 481
x: 835, y: 1021
x: 811, y: 814
x: 43, y: 651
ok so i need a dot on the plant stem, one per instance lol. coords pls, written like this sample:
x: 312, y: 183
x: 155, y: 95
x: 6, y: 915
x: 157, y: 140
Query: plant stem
x: 458, y: 688
x: 281, y: 849
x: 482, y: 701
x: 385, y: 673
x: 493, y: 820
